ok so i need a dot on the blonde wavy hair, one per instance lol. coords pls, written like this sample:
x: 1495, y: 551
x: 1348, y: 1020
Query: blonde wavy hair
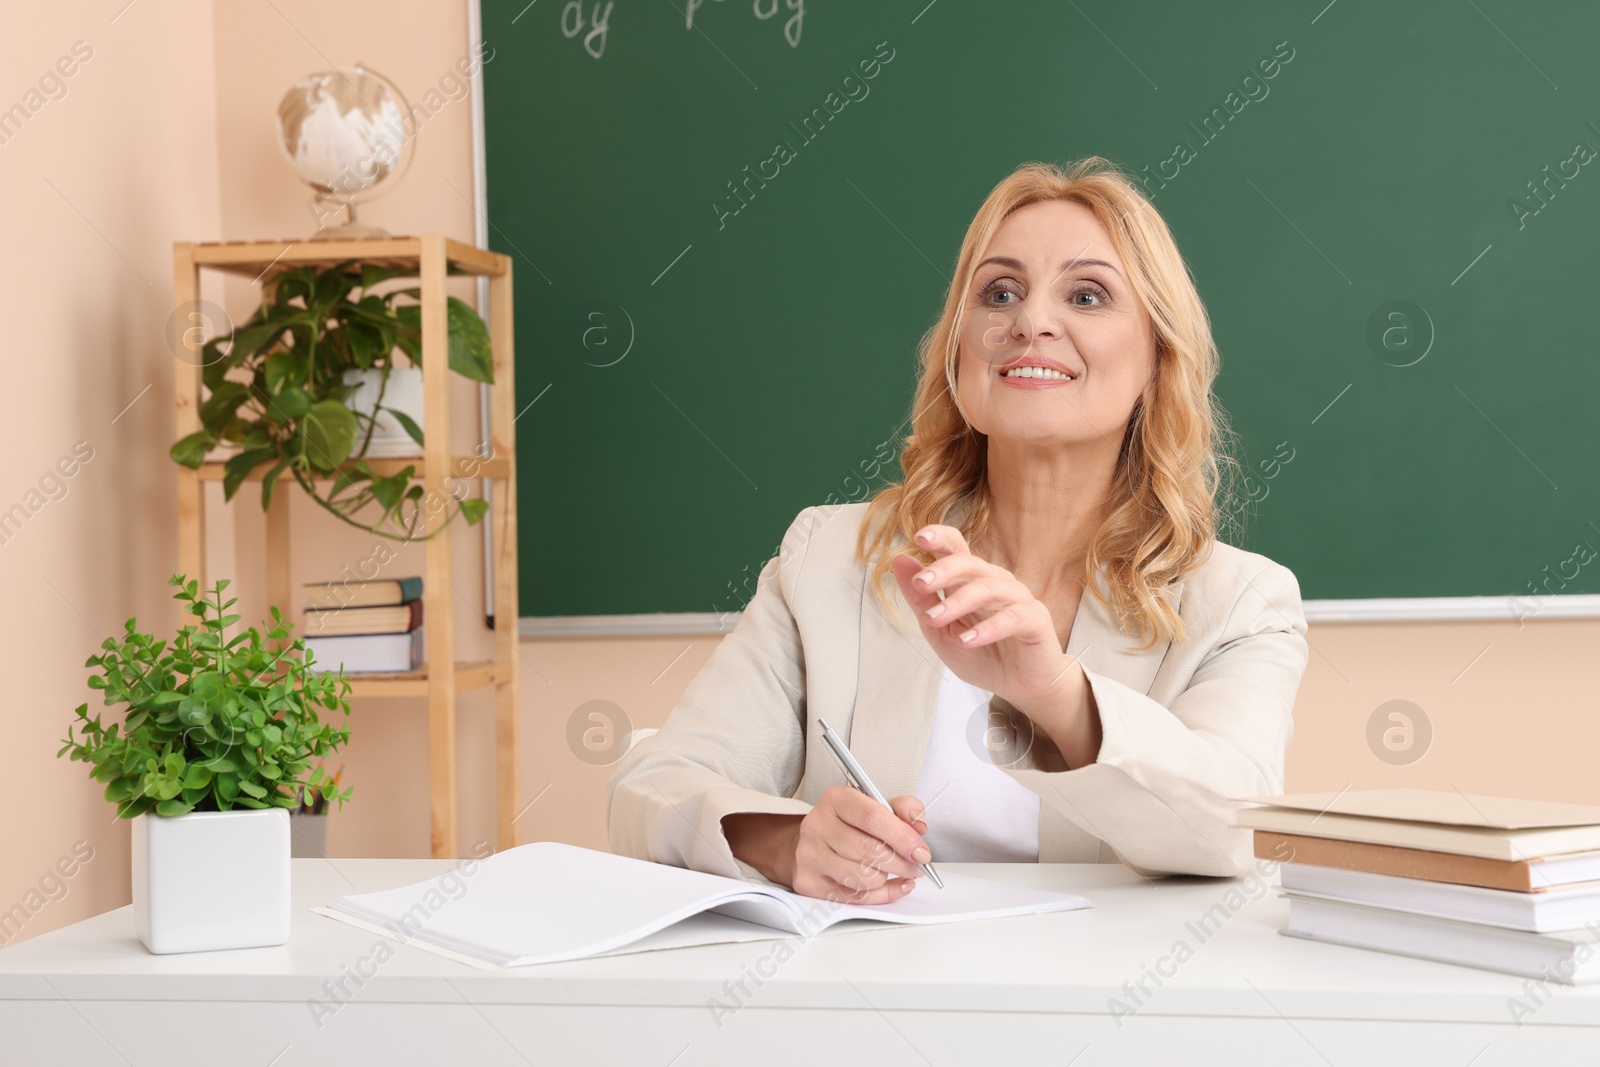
x: 1176, y: 456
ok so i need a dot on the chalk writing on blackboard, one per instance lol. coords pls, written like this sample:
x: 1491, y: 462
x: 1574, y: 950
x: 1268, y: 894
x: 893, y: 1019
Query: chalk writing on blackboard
x: 763, y: 9
x: 572, y: 24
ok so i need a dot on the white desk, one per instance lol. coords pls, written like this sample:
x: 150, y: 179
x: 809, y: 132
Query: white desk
x: 1030, y: 990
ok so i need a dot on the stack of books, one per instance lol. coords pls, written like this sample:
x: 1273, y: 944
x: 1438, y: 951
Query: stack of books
x: 1490, y: 882
x: 365, y: 627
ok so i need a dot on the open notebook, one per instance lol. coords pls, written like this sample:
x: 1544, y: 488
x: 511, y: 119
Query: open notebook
x: 547, y: 901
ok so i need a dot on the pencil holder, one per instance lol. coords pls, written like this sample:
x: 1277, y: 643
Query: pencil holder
x: 308, y: 836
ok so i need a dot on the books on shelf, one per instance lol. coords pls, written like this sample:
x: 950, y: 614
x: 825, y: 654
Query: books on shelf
x: 361, y: 594
x: 368, y: 653
x: 391, y: 619
x: 367, y: 627
x: 1496, y: 883
x: 548, y: 901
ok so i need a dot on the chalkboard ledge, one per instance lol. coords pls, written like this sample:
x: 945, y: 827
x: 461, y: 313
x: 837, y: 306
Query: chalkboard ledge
x: 1454, y: 608
x: 1377, y: 609
x: 653, y: 624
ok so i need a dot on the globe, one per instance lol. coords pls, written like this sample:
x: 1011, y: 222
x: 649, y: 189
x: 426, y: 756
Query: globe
x: 345, y: 132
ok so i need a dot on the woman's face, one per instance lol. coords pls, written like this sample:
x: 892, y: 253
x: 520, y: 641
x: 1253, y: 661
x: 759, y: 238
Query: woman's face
x: 1051, y: 293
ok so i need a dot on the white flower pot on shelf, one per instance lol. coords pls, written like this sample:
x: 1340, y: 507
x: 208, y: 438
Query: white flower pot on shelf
x: 211, y: 880
x: 403, y: 393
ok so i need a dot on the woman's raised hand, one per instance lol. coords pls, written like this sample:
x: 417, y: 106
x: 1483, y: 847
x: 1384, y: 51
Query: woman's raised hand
x: 990, y: 630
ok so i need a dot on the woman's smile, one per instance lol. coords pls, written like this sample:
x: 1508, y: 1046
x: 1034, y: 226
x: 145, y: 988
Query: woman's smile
x: 1036, y: 372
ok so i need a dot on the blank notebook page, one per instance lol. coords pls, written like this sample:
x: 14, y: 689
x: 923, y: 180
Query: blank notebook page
x: 546, y: 899
x: 549, y: 901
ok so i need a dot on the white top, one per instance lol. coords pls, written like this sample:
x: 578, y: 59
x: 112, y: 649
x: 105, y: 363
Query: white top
x: 976, y: 813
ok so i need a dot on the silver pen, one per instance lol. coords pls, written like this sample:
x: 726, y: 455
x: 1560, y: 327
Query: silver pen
x: 858, y: 778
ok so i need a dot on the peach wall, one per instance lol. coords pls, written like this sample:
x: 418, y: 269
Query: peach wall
x: 97, y: 185
x: 1513, y: 712
x: 166, y: 134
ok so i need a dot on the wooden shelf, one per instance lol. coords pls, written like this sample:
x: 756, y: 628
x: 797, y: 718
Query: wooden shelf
x: 464, y: 467
x: 470, y: 674
x: 430, y: 258
x: 255, y: 259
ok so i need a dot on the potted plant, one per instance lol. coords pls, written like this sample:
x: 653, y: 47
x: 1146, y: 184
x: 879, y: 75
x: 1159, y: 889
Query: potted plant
x: 301, y: 389
x: 217, y: 740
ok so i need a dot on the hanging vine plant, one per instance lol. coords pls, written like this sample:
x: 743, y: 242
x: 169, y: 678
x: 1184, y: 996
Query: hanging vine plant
x: 276, y: 389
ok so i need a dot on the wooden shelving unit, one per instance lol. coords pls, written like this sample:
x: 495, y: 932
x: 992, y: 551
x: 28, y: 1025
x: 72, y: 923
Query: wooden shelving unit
x: 430, y: 257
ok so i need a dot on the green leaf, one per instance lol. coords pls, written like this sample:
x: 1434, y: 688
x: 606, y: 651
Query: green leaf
x: 366, y: 343
x: 190, y: 451
x: 330, y: 433
x: 258, y: 436
x: 269, y: 480
x: 286, y: 367
x: 119, y: 790
x: 290, y: 403
x: 469, y: 343
x: 372, y: 274
x: 253, y: 338
x: 389, y: 491
x: 222, y: 405
x: 293, y: 283
x: 411, y: 428
x: 173, y: 807
x: 208, y: 685
x: 330, y: 288
x: 251, y: 788
x: 238, y: 468
x: 350, y: 477
x: 198, y: 776
x: 473, y: 510
x: 409, y: 336
x: 194, y: 712
x: 214, y: 361
x: 245, y: 343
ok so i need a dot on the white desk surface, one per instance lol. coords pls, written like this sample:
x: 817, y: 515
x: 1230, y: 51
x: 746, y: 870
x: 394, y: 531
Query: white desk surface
x: 1064, y: 964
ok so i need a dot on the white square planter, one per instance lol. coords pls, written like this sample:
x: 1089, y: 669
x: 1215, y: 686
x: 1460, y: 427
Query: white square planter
x: 211, y: 880
x: 402, y: 393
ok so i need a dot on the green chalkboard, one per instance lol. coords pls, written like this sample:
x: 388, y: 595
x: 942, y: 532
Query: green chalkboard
x: 1395, y: 235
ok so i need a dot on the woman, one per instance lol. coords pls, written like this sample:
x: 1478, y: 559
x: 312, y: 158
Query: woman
x: 1089, y: 676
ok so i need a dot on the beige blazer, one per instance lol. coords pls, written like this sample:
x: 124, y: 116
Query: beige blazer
x: 1185, y: 726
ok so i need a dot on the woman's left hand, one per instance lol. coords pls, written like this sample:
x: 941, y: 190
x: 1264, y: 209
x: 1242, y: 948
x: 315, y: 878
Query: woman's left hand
x: 990, y: 630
